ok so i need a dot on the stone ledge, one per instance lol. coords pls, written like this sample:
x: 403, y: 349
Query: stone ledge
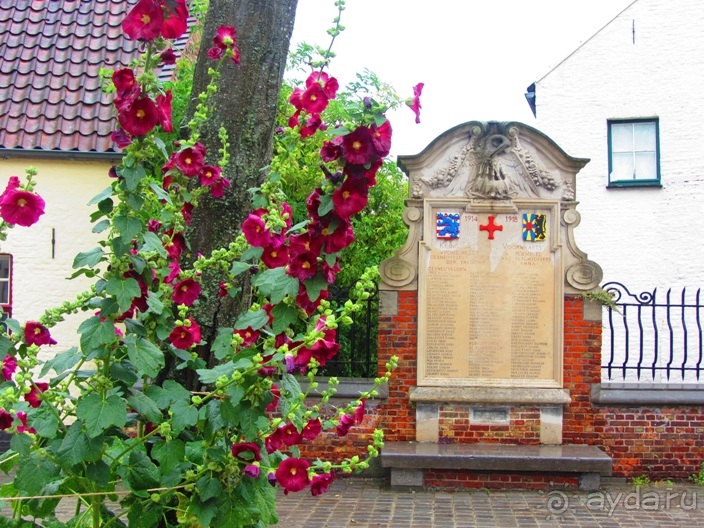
x: 348, y: 388
x: 639, y: 394
x: 491, y: 395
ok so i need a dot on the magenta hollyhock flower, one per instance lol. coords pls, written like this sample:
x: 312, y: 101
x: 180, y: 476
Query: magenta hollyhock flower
x: 292, y: 474
x: 302, y: 266
x: 22, y: 417
x: 381, y: 138
x: 304, y: 302
x: 329, y: 84
x: 184, y: 337
x: 338, y: 235
x: 218, y: 188
x: 359, y: 411
x: 351, y: 197
x: 332, y: 150
x: 187, y: 212
x: 252, y: 470
x: 168, y: 56
x: 330, y: 272
x: 275, y: 254
x: 326, y: 348
x: 304, y: 243
x: 209, y: 174
x: 295, y: 98
x: 276, y: 393
x: 20, y: 207
x: 312, y: 429
x: 215, y: 53
x: 303, y: 357
x: 314, y: 99
x: 5, y: 420
x: 175, y: 18
x: 290, y: 435
x: 190, y: 160
x: 186, y: 292
x: 312, y: 124
x: 144, y: 21
x: 246, y: 452
x: 32, y: 397
x: 176, y: 244
x: 357, y: 146
x: 126, y: 85
x: 37, y: 334
x: 346, y: 422
x: 249, y: 335
x: 255, y: 231
x: 121, y: 138
x: 225, y: 37
x: 9, y: 366
x: 414, y: 104
x: 222, y: 289
x: 319, y: 484
x: 274, y: 441
x: 140, y: 117
x: 163, y: 107
x: 175, y: 271
x: 293, y: 121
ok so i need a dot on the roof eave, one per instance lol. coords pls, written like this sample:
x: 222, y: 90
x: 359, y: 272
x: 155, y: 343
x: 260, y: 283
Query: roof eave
x: 66, y: 155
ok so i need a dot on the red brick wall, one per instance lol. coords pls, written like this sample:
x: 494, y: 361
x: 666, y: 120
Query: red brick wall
x: 523, y: 426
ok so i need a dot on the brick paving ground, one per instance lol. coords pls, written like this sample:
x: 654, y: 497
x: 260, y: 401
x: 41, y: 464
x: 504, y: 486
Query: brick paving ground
x: 361, y: 503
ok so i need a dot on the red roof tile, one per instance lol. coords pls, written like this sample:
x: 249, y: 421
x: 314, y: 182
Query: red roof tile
x: 51, y: 52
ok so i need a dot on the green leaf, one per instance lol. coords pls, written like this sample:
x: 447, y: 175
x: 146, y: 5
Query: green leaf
x: 44, y: 421
x: 169, y: 393
x: 135, y: 201
x: 99, y: 414
x: 284, y: 317
x: 239, y: 267
x: 154, y: 303
x: 326, y: 204
x: 95, y: 333
x: 124, y: 290
x: 147, y: 358
x: 88, y: 258
x: 209, y: 376
x: 13, y: 325
x: 169, y: 454
x: 141, y: 473
x: 105, y: 193
x: 78, y: 447
x: 222, y: 345
x: 315, y: 285
x: 61, y: 362
x: 255, y: 319
x: 145, y: 406
x: 276, y: 284
x: 252, y: 421
x: 98, y: 472
x: 21, y: 443
x: 161, y: 193
x: 183, y: 415
x: 208, y: 487
x: 204, y: 511
x: 132, y: 176
x: 252, y: 253
x: 34, y: 474
x: 141, y: 516
x: 101, y: 226
x: 153, y: 243
x: 128, y: 226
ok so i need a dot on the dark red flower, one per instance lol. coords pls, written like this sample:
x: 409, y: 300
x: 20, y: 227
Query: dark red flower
x: 22, y: 417
x: 304, y: 243
x: 20, y: 207
x: 222, y: 289
x: 37, y: 334
x: 9, y: 366
x: 351, y: 197
x: 331, y: 150
x: 326, y: 348
x: 357, y: 146
x: 304, y: 301
x: 290, y: 435
x: 312, y: 124
x: 295, y: 98
x: 319, y: 484
x: 338, y: 235
x: 359, y: 411
x: 275, y: 254
x: 249, y: 335
x: 302, y: 266
x: 276, y: 393
x: 329, y: 84
x: 32, y: 397
x: 314, y: 99
x: 215, y: 53
x: 292, y: 474
x: 186, y: 292
x: 414, y: 104
x: 330, y: 272
x: 381, y: 138
x: 255, y: 231
x: 190, y: 160
x: 218, y: 188
x: 209, y: 174
x: 121, y: 138
x: 126, y: 85
x: 168, y: 56
x: 225, y: 37
x: 249, y: 449
x: 144, y: 21
x: 175, y: 18
x: 312, y: 429
x: 274, y: 441
x: 140, y: 117
x: 346, y: 422
x: 184, y: 337
x: 176, y: 245
x: 5, y: 420
x: 187, y: 212
x: 163, y: 107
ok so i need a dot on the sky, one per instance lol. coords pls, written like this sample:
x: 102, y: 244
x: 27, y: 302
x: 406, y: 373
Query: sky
x: 476, y: 59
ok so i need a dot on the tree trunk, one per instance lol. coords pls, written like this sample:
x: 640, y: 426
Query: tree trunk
x: 246, y: 105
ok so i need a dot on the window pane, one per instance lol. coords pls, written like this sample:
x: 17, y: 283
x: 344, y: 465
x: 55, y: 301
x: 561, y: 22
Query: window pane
x: 646, y: 166
x: 622, y: 166
x: 622, y: 137
x: 4, y: 266
x: 644, y: 136
x: 4, y: 293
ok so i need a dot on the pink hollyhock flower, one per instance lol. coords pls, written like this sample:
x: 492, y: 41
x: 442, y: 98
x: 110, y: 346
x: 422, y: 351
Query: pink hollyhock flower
x: 176, y: 245
x: 140, y: 117
x: 144, y: 21
x: 414, y: 104
x: 326, y: 348
x: 121, y: 138
x: 168, y: 56
x: 163, y: 107
x: 186, y: 292
x: 304, y: 301
x: 218, y: 188
x: 314, y: 99
x: 32, y: 397
x: 215, y: 53
x: 313, y: 123
x: 312, y: 429
x: 5, y: 420
x: 184, y: 337
x: 249, y: 449
x: 209, y: 174
x: 381, y: 138
x: 249, y: 335
x: 22, y: 417
x: 329, y: 84
x: 175, y: 19
x: 292, y: 474
x: 252, y: 470
x: 20, y: 207
x: 302, y: 266
x: 174, y: 273
x: 351, y: 197
x: 319, y: 484
x: 346, y: 422
x: 359, y: 411
x: 9, y: 366
x: 37, y: 334
x: 255, y: 231
x: 190, y: 160
x: 290, y: 435
x: 275, y: 255
x: 357, y: 146
x: 274, y: 441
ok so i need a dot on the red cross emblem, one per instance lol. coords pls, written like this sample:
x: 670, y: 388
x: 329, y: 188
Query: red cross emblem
x: 490, y: 227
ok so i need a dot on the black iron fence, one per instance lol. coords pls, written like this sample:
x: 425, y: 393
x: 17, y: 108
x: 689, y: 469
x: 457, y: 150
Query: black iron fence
x: 651, y: 337
x: 358, y: 342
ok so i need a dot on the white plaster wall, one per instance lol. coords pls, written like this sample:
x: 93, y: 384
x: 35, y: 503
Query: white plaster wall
x: 40, y: 280
x: 644, y: 238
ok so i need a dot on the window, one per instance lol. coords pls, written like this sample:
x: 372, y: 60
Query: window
x: 634, y: 157
x: 5, y: 286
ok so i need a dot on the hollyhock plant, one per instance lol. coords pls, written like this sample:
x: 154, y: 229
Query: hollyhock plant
x: 209, y: 174
x: 22, y: 417
x: 185, y: 336
x: 351, y: 197
x: 186, y: 292
x: 20, y: 207
x: 32, y: 397
x: 414, y: 103
x: 292, y: 474
x: 175, y: 245
x: 319, y: 484
x: 190, y: 160
x: 5, y: 420
x: 144, y: 21
x: 302, y: 266
x: 140, y: 117
x: 255, y: 231
x: 225, y: 41
x: 249, y: 336
x: 275, y: 254
x: 163, y: 107
x: 246, y: 452
x: 126, y: 86
x: 9, y: 366
x: 37, y: 334
x: 312, y: 429
x: 219, y: 186
x: 358, y: 147
x: 175, y: 18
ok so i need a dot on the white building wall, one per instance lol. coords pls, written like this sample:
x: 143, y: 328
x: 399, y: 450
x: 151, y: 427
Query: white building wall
x: 39, y: 277
x: 648, y: 62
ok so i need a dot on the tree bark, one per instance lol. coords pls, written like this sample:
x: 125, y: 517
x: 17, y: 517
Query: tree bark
x: 246, y: 105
